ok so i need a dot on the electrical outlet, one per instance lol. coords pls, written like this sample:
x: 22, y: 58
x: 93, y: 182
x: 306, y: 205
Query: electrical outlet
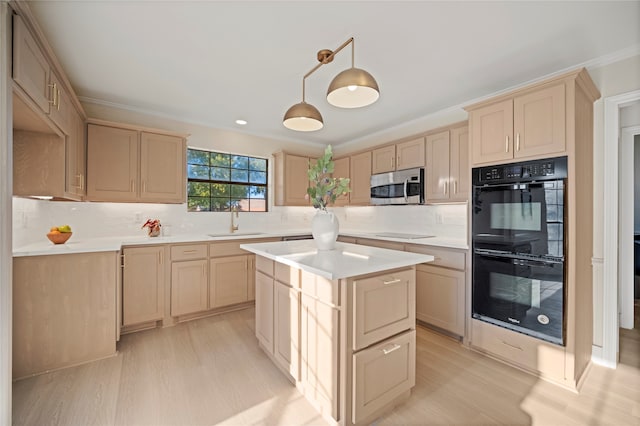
x: 137, y: 217
x: 439, y: 219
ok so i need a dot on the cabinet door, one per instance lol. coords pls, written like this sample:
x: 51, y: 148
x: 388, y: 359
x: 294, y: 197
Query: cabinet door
x: 112, y: 164
x: 438, y: 166
x: 319, y: 349
x: 296, y: 180
x: 460, y: 168
x: 382, y: 373
x: 383, y: 305
x: 383, y: 159
x: 341, y: 170
x: 30, y: 67
x: 286, y: 311
x: 264, y: 310
x: 410, y: 154
x: 75, y: 157
x: 162, y: 168
x: 64, y: 310
x: 539, y: 122
x: 229, y: 281
x: 60, y: 109
x: 492, y: 132
x: 251, y: 280
x: 189, y: 286
x: 142, y: 285
x: 440, y: 298
x: 360, y: 172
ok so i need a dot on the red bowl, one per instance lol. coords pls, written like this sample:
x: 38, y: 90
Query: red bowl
x: 59, y: 237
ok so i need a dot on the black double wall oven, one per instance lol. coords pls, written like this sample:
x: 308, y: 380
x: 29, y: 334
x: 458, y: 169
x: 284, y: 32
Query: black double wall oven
x: 518, y: 241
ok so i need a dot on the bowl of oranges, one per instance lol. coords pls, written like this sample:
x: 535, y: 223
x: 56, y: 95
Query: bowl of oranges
x: 59, y: 234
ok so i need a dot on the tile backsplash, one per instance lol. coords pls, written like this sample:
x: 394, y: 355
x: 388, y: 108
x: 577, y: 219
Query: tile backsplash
x: 33, y: 218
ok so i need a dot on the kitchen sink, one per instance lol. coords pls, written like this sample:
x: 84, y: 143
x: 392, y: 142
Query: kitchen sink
x: 236, y: 234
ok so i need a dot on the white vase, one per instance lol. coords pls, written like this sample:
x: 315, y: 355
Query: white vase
x: 324, y: 228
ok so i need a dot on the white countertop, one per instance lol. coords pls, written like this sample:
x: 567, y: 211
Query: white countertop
x: 347, y: 260
x: 77, y: 244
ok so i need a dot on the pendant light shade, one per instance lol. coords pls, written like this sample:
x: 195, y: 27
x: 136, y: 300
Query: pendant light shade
x: 303, y: 117
x: 353, y: 88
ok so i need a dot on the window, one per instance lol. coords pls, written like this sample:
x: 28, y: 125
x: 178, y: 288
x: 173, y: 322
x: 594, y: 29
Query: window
x: 218, y: 181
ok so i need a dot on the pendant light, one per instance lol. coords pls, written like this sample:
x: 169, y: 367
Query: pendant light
x: 303, y: 117
x: 352, y: 88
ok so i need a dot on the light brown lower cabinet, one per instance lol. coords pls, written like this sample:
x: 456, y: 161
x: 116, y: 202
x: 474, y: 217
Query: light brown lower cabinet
x: 189, y: 287
x: 286, y: 328
x: 143, y: 284
x: 229, y: 280
x: 64, y: 310
x: 354, y: 337
x: 440, y: 296
x: 382, y: 373
x: 264, y: 310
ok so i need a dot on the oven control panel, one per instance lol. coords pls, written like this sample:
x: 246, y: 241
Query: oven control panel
x: 552, y: 168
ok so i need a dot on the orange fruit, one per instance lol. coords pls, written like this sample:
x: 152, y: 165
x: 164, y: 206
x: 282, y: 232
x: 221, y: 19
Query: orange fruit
x: 53, y: 228
x: 55, y: 232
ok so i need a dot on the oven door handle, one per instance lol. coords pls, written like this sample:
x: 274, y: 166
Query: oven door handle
x: 520, y: 261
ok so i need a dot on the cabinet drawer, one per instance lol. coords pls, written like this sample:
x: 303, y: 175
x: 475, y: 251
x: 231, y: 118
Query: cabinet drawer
x: 382, y: 373
x: 227, y: 248
x: 287, y: 275
x: 383, y: 305
x: 188, y: 252
x: 446, y: 258
x: 264, y: 265
x: 391, y: 245
x: 322, y: 289
x: 525, y: 351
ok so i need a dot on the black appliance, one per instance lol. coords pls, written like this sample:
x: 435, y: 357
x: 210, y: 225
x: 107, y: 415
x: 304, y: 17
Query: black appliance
x: 518, y: 242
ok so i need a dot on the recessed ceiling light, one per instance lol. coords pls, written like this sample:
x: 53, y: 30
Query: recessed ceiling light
x: 241, y: 122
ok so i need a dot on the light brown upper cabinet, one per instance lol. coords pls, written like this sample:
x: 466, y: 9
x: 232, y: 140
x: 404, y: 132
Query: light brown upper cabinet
x: 360, y: 173
x: 47, y: 163
x: 448, y: 168
x: 404, y: 155
x: 30, y: 67
x: 36, y: 77
x: 528, y: 125
x: 125, y: 164
x: 341, y: 170
x: 291, y: 179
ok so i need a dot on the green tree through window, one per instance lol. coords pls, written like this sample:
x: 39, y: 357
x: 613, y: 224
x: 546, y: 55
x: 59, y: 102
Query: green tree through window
x: 217, y: 181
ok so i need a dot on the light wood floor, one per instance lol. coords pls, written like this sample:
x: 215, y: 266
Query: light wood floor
x: 211, y: 371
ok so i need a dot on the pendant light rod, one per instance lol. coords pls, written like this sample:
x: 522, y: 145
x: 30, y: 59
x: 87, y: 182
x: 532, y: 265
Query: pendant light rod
x: 325, y: 56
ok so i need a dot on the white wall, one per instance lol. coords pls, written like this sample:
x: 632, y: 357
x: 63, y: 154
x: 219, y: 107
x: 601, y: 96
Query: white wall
x: 613, y: 79
x: 6, y: 189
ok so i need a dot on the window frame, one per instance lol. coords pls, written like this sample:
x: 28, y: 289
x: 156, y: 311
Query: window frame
x: 227, y: 171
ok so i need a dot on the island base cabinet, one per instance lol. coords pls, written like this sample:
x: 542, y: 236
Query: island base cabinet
x: 286, y: 348
x: 319, y: 355
x: 264, y: 310
x: 382, y: 373
x: 64, y: 310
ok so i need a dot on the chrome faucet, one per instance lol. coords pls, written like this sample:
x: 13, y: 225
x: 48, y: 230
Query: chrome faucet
x: 234, y: 227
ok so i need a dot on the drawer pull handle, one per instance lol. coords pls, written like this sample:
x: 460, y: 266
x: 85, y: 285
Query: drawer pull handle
x: 512, y: 346
x: 388, y: 350
x: 397, y: 280
x: 189, y: 251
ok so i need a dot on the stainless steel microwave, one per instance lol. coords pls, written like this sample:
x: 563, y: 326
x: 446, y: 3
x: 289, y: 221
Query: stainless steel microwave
x: 400, y: 187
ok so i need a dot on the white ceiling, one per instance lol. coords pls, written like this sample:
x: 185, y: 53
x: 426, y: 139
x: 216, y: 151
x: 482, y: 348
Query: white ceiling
x: 212, y: 62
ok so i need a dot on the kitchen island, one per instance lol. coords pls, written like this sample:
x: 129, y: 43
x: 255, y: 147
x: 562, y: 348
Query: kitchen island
x: 340, y: 324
